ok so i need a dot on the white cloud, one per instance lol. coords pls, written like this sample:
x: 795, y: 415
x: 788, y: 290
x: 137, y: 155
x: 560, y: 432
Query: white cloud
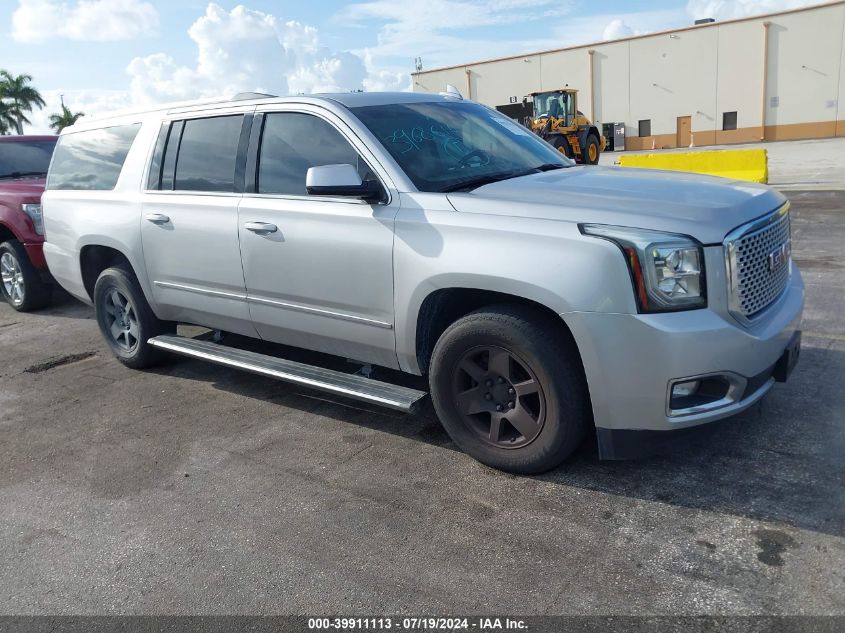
x: 729, y: 9
x: 616, y: 29
x: 92, y: 20
x: 236, y: 51
x: 449, y: 31
x: 245, y: 50
x: 91, y: 102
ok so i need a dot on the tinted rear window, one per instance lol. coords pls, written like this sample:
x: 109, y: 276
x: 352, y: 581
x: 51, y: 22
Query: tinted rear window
x: 25, y: 159
x: 207, y: 154
x: 91, y: 160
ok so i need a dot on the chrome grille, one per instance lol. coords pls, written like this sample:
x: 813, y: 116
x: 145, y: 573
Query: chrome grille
x: 758, y: 263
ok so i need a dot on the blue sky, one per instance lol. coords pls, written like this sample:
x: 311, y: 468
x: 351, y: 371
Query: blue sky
x: 103, y: 54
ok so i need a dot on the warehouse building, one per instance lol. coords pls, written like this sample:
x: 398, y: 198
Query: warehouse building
x: 772, y: 77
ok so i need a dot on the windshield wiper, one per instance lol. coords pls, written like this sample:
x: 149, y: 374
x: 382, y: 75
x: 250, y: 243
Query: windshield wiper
x: 473, y: 183
x: 22, y: 174
x: 550, y: 166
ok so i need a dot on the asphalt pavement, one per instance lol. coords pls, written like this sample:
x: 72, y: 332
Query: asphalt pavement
x: 194, y: 489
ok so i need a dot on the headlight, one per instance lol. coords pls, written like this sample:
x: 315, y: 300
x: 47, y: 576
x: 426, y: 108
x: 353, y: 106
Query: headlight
x: 667, y: 269
x: 34, y: 213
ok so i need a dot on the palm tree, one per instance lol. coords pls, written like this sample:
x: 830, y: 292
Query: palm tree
x: 7, y: 119
x: 65, y: 119
x: 23, y: 97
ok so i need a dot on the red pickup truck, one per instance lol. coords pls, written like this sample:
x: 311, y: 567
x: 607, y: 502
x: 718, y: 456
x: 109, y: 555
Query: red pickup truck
x: 25, y: 282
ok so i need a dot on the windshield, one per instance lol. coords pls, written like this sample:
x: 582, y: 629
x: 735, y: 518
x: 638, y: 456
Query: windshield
x: 555, y: 104
x: 30, y: 158
x: 443, y: 145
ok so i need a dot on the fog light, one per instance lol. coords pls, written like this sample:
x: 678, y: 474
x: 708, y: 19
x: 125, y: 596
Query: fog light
x: 685, y: 389
x: 690, y: 396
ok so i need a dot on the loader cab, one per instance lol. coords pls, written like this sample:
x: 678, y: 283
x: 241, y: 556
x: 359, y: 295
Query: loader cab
x: 557, y: 104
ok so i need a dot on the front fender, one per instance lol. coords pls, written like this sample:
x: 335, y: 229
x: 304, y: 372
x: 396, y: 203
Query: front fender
x: 547, y: 262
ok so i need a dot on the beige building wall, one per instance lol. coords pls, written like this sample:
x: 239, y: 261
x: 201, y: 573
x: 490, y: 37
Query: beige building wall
x: 739, y: 86
x: 512, y: 77
x: 840, y: 99
x: 566, y: 67
x: 674, y: 75
x: 805, y: 52
x: 697, y: 72
x: 610, y: 82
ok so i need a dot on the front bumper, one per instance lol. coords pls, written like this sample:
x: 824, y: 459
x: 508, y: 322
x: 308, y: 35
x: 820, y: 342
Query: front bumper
x: 631, y: 359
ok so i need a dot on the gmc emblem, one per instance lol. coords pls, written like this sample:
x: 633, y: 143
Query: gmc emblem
x: 780, y: 256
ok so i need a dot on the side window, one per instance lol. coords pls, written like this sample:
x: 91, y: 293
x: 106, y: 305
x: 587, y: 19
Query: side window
x: 208, y: 153
x: 291, y: 143
x: 91, y: 160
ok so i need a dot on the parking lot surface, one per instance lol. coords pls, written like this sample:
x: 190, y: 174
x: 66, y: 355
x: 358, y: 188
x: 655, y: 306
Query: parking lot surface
x: 194, y: 489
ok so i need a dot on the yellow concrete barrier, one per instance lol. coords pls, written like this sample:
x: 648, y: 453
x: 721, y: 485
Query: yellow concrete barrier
x: 738, y: 164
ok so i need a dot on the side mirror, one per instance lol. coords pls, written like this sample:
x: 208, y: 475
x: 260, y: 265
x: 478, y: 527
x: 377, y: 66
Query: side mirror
x: 341, y: 180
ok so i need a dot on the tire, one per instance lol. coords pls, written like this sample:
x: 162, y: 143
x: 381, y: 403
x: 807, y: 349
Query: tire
x: 543, y: 388
x: 592, y: 150
x: 126, y: 320
x: 20, y: 281
x: 560, y: 143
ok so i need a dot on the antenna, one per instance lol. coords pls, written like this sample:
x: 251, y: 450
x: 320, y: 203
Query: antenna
x: 418, y: 63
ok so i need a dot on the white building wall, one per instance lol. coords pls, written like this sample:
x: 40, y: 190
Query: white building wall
x: 611, y: 63
x: 557, y: 70
x: 674, y: 75
x: 509, y: 78
x: 804, y: 66
x: 701, y: 72
x: 739, y: 86
x: 840, y: 99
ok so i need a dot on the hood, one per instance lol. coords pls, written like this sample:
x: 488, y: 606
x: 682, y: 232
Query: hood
x: 705, y: 207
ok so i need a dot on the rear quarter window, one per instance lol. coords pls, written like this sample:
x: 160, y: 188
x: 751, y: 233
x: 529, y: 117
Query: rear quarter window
x: 91, y: 160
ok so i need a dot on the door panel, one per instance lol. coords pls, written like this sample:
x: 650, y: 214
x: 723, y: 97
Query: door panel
x: 193, y: 259
x: 324, y: 279
x: 189, y: 222
x: 318, y: 270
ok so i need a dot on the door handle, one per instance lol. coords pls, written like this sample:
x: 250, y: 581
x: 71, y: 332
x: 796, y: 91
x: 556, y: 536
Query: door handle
x: 157, y: 218
x: 261, y: 227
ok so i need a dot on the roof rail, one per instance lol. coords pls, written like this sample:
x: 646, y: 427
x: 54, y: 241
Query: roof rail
x: 244, y: 96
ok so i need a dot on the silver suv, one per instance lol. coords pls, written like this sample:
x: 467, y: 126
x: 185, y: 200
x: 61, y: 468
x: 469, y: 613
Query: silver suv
x: 434, y: 236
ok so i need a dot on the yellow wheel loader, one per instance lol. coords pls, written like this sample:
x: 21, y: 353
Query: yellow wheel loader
x: 557, y: 120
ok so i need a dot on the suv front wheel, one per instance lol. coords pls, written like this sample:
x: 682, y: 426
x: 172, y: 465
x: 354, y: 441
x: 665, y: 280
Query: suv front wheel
x: 509, y: 389
x: 126, y: 320
x: 20, y: 282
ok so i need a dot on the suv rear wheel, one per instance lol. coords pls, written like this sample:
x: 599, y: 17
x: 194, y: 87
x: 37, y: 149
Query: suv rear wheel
x: 20, y: 282
x: 509, y: 389
x: 126, y: 320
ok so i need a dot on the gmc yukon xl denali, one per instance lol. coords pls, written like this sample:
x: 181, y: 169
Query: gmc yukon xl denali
x: 430, y: 235
x: 25, y: 283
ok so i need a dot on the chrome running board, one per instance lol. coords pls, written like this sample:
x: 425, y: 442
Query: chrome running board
x: 348, y: 385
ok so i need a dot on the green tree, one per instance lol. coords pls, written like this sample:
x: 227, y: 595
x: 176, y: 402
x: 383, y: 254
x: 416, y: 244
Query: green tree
x: 20, y: 97
x: 64, y: 119
x: 7, y: 119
